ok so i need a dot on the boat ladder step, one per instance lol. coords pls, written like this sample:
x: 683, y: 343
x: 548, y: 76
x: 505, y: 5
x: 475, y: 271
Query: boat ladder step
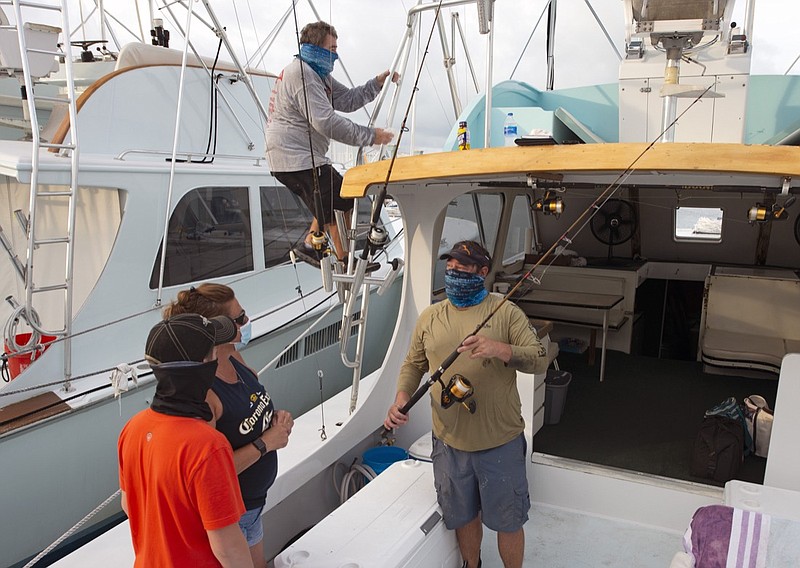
x: 52, y: 287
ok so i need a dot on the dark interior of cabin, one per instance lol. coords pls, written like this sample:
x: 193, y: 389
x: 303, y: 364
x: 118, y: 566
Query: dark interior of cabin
x: 646, y: 414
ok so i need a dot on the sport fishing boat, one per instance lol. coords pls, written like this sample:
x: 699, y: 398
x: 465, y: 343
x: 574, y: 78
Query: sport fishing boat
x: 110, y: 212
x: 590, y: 222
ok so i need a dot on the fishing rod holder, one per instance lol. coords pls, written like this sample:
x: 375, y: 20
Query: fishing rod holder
x: 458, y: 390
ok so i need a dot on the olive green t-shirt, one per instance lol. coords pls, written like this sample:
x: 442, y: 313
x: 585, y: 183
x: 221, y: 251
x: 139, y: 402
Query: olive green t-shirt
x: 498, y: 417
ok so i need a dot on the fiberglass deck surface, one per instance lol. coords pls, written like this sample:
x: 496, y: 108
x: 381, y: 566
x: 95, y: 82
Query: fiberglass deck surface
x: 557, y: 538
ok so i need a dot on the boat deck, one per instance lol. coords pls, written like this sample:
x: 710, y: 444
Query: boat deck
x: 558, y: 538
x: 31, y: 410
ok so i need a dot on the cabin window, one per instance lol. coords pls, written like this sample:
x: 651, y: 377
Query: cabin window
x: 470, y: 217
x: 698, y: 224
x: 208, y: 237
x: 518, y: 229
x: 285, y: 222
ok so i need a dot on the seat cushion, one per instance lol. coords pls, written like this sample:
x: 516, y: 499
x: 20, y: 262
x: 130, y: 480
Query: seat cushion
x: 739, y: 349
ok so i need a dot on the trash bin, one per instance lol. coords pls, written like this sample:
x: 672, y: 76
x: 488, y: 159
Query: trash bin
x: 555, y: 394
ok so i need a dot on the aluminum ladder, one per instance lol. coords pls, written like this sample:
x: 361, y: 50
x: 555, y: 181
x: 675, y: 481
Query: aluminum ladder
x: 39, y: 194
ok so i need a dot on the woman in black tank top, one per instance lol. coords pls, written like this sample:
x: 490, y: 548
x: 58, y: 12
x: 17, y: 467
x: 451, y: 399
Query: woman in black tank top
x: 243, y: 410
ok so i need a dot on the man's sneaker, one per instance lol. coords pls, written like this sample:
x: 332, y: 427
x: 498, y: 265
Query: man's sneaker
x: 464, y: 565
x: 308, y: 254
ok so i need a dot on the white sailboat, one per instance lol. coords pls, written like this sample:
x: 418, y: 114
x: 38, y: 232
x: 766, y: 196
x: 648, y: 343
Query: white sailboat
x: 158, y: 156
x: 687, y: 127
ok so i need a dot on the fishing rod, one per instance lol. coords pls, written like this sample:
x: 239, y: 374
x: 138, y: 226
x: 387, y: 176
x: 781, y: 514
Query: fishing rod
x: 377, y: 236
x: 455, y: 388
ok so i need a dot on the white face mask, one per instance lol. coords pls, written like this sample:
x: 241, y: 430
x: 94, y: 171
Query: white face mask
x: 247, y: 333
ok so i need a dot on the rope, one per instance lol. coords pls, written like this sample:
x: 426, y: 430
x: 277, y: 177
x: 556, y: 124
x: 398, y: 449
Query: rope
x: 73, y: 530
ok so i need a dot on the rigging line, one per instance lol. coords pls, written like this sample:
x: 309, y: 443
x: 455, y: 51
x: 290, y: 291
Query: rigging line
x: 48, y: 406
x: 101, y: 371
x: 590, y: 211
x: 85, y: 331
x: 377, y: 205
x: 314, y: 173
x: 317, y: 206
x: 527, y: 43
x: 239, y: 26
x: 139, y: 21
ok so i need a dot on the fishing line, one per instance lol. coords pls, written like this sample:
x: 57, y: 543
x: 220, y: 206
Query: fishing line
x: 377, y: 205
x: 593, y: 208
x: 584, y: 218
x: 314, y: 174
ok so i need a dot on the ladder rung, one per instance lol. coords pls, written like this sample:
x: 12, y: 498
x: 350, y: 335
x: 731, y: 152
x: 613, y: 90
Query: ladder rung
x: 38, y: 289
x: 57, y: 146
x: 46, y: 52
x: 8, y: 26
x: 64, y: 100
x: 54, y: 194
x: 38, y: 5
x: 51, y: 241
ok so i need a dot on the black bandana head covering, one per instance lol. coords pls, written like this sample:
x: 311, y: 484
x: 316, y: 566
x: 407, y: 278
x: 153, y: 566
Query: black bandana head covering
x: 176, y: 349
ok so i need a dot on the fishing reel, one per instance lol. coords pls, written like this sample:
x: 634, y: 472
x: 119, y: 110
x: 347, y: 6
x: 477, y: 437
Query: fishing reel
x: 760, y: 213
x: 319, y: 242
x: 459, y: 389
x: 550, y: 205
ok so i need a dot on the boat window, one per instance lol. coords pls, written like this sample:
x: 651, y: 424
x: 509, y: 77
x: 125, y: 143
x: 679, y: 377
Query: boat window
x: 98, y: 215
x: 473, y: 217
x: 285, y: 221
x: 208, y: 237
x: 698, y: 224
x: 518, y: 229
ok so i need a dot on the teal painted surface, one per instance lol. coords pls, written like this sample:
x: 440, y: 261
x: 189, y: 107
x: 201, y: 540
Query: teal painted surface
x: 596, y: 107
x: 773, y: 108
x: 772, y: 114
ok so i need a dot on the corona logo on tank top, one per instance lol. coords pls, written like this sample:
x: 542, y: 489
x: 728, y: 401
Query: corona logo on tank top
x: 259, y: 403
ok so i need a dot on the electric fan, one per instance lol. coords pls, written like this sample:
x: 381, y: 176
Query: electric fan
x: 614, y: 223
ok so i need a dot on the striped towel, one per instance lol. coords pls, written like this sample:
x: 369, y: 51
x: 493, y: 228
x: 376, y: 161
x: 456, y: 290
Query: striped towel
x: 726, y: 537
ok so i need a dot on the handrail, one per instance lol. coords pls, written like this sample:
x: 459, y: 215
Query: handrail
x: 189, y: 155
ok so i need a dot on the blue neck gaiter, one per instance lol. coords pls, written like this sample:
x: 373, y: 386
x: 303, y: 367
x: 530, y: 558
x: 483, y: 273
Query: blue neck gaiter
x: 464, y: 289
x: 320, y: 59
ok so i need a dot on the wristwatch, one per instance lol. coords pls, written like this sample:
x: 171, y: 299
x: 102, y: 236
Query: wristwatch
x: 260, y: 446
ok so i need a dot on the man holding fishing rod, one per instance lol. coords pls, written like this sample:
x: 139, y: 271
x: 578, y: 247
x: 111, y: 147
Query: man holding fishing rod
x: 478, y: 449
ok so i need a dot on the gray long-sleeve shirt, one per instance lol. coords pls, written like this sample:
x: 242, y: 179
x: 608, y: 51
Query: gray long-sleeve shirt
x: 287, y: 134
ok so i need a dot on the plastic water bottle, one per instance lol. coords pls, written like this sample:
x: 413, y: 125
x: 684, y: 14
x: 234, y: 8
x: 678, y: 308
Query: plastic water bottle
x: 510, y: 130
x: 463, y: 136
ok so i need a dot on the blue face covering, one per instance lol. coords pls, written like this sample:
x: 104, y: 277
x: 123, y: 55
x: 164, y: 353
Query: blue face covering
x: 464, y: 289
x: 320, y: 59
x: 247, y: 334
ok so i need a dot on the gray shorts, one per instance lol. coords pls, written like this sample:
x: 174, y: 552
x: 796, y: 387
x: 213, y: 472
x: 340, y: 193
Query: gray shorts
x: 490, y: 482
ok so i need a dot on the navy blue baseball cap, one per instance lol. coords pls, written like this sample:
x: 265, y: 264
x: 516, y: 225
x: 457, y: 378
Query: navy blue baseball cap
x: 469, y: 252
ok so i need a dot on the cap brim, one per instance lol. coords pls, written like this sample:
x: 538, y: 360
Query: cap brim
x: 462, y: 258
x: 225, y: 330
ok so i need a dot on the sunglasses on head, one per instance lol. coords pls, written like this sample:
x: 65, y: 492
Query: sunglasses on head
x: 241, y: 319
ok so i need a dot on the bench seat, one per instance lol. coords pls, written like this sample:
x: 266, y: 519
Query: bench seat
x: 743, y: 350
x: 750, y: 318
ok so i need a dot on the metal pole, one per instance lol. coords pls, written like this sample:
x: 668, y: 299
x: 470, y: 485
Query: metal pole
x: 487, y: 124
